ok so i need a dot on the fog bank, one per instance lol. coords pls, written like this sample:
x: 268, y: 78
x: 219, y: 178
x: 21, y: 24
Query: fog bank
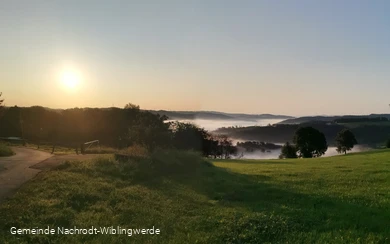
x: 211, y: 125
x: 274, y: 154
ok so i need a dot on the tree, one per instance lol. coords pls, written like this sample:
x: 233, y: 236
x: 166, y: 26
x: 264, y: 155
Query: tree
x: 1, y: 100
x: 310, y: 142
x: 150, y: 131
x: 187, y: 136
x: 288, y: 151
x: 345, y: 140
x: 1, y: 103
x: 388, y: 143
x: 132, y: 106
x: 225, y: 145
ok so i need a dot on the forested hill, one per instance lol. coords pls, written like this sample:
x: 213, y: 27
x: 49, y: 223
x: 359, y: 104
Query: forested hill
x: 216, y: 115
x: 366, y: 133
x: 307, y: 119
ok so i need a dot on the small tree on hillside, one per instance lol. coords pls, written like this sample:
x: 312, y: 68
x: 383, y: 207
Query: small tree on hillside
x: 1, y: 105
x: 345, y: 141
x: 310, y: 142
x: 288, y: 151
x: 1, y: 100
x: 132, y: 106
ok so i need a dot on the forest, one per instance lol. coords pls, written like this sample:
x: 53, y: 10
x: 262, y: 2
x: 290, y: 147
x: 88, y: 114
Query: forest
x: 114, y: 127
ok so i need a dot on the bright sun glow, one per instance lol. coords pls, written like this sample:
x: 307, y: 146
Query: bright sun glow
x: 70, y: 79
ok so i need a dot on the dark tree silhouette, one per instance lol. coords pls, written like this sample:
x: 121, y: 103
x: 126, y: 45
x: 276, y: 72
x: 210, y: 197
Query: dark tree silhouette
x: 345, y: 140
x: 132, y: 106
x: 310, y: 142
x: 187, y: 136
x: 288, y: 151
x: 1, y: 103
x: 388, y: 143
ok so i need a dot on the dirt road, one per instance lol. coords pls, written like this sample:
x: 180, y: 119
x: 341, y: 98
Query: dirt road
x: 16, y: 169
x: 26, y: 163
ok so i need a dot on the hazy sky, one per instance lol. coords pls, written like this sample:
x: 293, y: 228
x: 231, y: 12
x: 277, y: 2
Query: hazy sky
x: 282, y: 57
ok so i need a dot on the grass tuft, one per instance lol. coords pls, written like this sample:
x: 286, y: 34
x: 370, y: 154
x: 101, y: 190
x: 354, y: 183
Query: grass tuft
x: 5, y: 151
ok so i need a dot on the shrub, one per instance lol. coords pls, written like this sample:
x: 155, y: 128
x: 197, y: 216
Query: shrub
x: 135, y: 151
x: 137, y: 162
x: 5, y: 150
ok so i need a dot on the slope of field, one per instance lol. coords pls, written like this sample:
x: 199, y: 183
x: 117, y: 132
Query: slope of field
x: 342, y: 199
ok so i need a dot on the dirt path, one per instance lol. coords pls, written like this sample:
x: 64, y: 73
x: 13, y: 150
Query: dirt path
x: 26, y: 164
x: 16, y: 169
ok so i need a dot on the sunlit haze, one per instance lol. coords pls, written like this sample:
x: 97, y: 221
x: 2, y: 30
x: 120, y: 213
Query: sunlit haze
x: 280, y: 57
x: 70, y: 79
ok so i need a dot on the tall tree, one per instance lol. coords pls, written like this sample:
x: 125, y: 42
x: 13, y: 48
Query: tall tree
x: 1, y: 103
x: 345, y: 140
x: 388, y: 143
x: 310, y: 142
x: 288, y: 151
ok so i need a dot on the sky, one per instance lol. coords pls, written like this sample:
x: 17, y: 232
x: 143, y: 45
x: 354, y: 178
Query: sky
x: 281, y: 57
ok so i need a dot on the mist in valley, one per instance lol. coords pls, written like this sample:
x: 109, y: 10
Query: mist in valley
x: 212, y: 125
x: 274, y: 154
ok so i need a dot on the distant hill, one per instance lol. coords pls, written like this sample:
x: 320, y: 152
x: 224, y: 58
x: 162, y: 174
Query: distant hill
x: 366, y: 133
x: 212, y: 115
x: 308, y: 119
x: 189, y: 115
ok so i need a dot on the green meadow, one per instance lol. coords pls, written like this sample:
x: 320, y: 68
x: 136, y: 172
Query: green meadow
x: 341, y: 199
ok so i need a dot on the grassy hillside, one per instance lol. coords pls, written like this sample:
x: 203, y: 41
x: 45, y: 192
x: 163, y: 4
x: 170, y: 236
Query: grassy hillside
x: 343, y: 199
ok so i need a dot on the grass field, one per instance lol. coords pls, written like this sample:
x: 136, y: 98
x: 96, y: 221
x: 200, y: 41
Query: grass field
x: 342, y: 199
x: 5, y: 150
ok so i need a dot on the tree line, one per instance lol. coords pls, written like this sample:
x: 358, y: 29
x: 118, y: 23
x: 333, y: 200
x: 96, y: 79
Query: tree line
x: 372, y: 134
x: 310, y: 142
x: 114, y: 127
x: 361, y: 120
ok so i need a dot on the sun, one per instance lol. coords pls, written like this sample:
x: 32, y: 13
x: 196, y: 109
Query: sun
x: 70, y: 79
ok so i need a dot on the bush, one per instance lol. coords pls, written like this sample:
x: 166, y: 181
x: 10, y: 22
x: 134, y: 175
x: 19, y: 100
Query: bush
x: 135, y: 151
x: 5, y: 150
x: 137, y: 162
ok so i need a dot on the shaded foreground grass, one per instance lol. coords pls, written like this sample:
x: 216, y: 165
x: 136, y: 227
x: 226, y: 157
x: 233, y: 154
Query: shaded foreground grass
x: 343, y: 199
x: 5, y: 150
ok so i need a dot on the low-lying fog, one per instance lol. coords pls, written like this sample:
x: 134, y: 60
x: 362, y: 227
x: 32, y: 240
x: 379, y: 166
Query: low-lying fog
x: 211, y: 125
x: 274, y: 154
